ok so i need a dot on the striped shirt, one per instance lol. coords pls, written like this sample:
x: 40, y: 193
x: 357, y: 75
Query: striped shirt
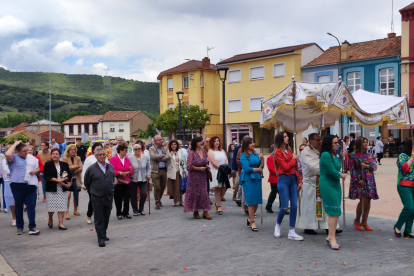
x: 17, y: 169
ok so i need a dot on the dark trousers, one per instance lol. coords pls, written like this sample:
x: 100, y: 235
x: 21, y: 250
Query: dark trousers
x: 142, y: 195
x: 90, y: 207
x: 102, y: 211
x: 121, y: 194
x: 2, y: 187
x: 24, y: 193
x: 272, y: 195
x: 379, y: 156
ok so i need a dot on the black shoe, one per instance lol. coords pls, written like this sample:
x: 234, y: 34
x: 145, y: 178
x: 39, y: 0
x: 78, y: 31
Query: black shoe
x: 287, y: 213
x: 119, y: 217
x: 161, y: 205
x: 63, y: 228
x: 106, y: 238
x: 310, y: 232
x: 128, y: 217
x: 338, y: 231
x: 102, y: 244
x: 269, y: 209
x: 238, y: 203
x: 50, y: 225
x: 398, y: 235
x: 157, y: 207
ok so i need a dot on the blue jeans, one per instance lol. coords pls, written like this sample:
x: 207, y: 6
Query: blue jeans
x: 2, y: 187
x: 24, y: 193
x: 287, y: 187
x: 42, y: 177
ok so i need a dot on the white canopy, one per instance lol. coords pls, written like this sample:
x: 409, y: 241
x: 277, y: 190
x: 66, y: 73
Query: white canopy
x: 331, y: 99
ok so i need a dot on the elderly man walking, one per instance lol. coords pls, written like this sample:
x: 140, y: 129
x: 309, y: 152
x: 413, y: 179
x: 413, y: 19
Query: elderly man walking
x: 159, y: 156
x: 99, y: 181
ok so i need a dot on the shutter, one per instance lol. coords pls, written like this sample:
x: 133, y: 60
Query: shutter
x: 324, y: 79
x: 255, y: 104
x: 170, y: 84
x: 257, y: 73
x: 279, y: 70
x: 234, y: 105
x: 235, y: 76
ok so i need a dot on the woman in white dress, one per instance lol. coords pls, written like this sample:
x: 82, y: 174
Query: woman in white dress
x: 57, y: 174
x: 8, y: 195
x: 217, y: 156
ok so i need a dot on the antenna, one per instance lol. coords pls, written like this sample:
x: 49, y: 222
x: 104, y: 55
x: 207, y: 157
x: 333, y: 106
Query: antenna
x: 107, y: 81
x: 209, y: 49
x: 392, y: 16
x: 106, y: 71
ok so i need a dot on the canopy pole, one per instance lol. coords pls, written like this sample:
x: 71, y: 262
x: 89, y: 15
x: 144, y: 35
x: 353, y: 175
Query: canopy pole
x: 409, y: 115
x: 294, y: 133
x: 342, y: 159
x: 261, y: 151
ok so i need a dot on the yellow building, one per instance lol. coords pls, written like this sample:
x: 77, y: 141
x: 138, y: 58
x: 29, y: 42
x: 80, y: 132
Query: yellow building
x: 200, y: 83
x: 253, y: 77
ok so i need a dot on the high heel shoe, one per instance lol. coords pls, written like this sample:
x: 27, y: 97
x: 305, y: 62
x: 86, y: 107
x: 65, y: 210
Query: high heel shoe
x: 63, y: 228
x: 219, y: 212
x: 366, y: 227
x: 398, y: 235
x: 328, y: 241
x: 408, y: 235
x: 50, y: 225
x: 254, y: 229
x: 334, y: 247
x: 357, y: 227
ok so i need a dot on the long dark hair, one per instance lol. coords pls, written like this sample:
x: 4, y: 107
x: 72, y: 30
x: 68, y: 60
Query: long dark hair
x: 359, y: 144
x: 245, y: 145
x: 194, y: 142
x: 280, y: 141
x: 229, y: 149
x: 327, y: 144
x: 408, y: 146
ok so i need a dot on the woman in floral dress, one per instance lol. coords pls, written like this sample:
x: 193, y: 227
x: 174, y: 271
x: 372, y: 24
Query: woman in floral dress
x: 362, y: 186
x: 197, y: 198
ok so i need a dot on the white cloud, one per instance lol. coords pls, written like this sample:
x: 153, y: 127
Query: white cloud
x: 3, y: 66
x: 79, y: 62
x: 11, y: 25
x: 64, y: 49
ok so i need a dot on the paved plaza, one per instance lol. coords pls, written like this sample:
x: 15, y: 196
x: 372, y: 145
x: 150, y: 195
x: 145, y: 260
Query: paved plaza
x: 170, y: 242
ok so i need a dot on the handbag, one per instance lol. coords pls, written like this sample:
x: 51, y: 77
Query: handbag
x: 184, y: 183
x: 209, y: 176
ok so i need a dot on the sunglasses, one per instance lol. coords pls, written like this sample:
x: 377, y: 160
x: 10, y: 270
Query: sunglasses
x: 102, y: 154
x: 137, y: 148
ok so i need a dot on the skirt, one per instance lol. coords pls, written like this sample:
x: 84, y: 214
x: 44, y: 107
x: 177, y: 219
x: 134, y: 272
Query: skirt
x: 8, y: 196
x: 57, y: 201
x: 174, y: 188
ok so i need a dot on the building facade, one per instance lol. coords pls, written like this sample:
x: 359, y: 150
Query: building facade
x: 200, y: 83
x: 253, y: 78
x: 127, y: 124
x: 90, y: 124
x: 44, y: 125
x: 372, y: 66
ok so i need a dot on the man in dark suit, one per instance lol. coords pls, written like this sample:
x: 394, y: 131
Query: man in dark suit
x: 351, y: 143
x: 99, y: 181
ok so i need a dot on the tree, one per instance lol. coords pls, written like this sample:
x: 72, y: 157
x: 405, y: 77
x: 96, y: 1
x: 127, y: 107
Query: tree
x: 192, y: 118
x: 149, y: 132
x: 77, y: 113
x: 13, y: 138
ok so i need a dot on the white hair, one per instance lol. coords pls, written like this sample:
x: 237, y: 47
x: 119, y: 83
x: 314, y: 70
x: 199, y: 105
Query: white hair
x: 99, y: 150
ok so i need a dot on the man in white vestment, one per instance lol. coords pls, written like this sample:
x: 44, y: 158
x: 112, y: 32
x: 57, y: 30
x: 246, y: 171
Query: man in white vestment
x: 311, y: 215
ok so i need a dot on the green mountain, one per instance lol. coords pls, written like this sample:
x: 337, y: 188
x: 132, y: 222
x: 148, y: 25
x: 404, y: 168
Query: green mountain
x: 28, y: 92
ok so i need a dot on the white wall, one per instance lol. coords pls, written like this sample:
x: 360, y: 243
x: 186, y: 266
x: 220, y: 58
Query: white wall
x: 126, y: 134
x: 310, y: 53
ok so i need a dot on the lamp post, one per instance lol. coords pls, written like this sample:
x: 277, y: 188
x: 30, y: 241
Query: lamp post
x: 340, y: 58
x: 222, y: 71
x: 180, y: 95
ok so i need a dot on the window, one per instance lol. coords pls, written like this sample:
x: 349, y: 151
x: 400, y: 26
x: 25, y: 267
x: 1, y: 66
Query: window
x: 202, y: 105
x: 256, y: 103
x: 170, y: 84
x: 55, y: 128
x: 185, y: 82
x: 95, y: 129
x: 170, y: 106
x: 257, y: 73
x: 112, y: 128
x: 234, y: 76
x: 235, y: 105
x: 79, y: 129
x: 387, y: 81
x: 354, y: 127
x: 121, y: 127
x: 187, y: 103
x: 354, y: 81
x: 201, y: 81
x: 279, y: 70
x: 35, y: 128
x: 324, y: 79
x: 87, y: 128
x: 70, y: 130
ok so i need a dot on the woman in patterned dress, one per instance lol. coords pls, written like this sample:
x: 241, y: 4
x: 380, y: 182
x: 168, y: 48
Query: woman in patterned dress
x: 197, y: 198
x: 58, y: 176
x: 362, y: 187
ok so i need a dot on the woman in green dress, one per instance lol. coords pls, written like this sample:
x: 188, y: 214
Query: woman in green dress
x: 329, y: 185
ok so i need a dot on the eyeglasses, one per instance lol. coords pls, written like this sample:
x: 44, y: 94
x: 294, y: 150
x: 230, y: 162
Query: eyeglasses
x: 102, y: 154
x: 300, y: 149
x: 137, y: 148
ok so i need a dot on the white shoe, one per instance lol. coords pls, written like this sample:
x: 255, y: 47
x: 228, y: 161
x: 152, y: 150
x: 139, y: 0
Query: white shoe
x: 5, y: 210
x: 14, y: 223
x: 88, y: 221
x: 277, y: 231
x: 293, y: 236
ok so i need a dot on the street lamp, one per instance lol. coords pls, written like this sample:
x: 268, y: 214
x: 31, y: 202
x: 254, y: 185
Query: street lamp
x: 180, y: 95
x: 222, y: 71
x: 340, y: 58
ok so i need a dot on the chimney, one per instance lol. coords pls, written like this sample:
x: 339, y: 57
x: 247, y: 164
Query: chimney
x: 205, y: 62
x: 345, y: 50
x: 390, y: 35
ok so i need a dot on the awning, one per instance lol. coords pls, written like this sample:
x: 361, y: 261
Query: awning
x: 406, y: 126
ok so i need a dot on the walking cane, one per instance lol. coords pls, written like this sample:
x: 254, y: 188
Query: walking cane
x: 149, y: 199
x: 362, y: 178
x: 294, y: 133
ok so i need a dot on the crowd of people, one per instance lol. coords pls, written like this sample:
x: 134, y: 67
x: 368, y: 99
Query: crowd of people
x: 308, y: 183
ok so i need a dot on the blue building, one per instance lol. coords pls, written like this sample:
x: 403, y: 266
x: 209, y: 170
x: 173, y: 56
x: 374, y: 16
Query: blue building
x: 372, y: 65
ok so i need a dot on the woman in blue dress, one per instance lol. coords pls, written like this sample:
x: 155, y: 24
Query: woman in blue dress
x: 251, y: 178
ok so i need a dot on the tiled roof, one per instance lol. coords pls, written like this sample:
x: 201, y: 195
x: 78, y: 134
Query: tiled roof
x: 120, y: 115
x: 43, y: 123
x: 409, y: 7
x: 359, y: 51
x: 83, y: 119
x: 266, y: 53
x: 192, y: 64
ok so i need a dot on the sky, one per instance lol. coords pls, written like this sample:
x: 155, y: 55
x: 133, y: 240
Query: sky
x: 137, y: 39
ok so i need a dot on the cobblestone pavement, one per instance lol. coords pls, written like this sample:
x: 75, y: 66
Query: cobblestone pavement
x: 170, y: 242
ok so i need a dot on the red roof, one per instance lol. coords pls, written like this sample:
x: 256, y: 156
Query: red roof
x: 359, y: 51
x: 83, y: 119
x: 266, y: 53
x: 192, y: 64
x: 407, y: 8
x: 120, y: 115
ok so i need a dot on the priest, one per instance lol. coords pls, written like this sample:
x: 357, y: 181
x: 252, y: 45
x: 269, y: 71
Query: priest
x: 311, y: 215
